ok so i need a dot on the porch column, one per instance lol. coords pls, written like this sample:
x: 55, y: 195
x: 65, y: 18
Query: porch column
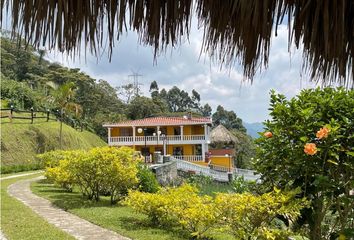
x: 181, y: 133
x: 205, y: 132
x: 158, y: 135
x: 203, y: 151
x: 133, y: 137
x: 109, y: 136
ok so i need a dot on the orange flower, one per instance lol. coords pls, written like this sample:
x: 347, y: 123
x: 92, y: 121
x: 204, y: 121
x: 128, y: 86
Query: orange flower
x: 268, y: 134
x: 322, y: 133
x: 310, y: 149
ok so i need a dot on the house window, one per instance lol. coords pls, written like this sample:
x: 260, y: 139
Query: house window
x: 126, y: 132
x: 178, y: 151
x: 177, y: 131
x: 163, y: 130
x: 198, y: 149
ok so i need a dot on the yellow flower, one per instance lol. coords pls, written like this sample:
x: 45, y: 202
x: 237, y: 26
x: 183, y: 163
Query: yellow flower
x: 322, y: 133
x: 310, y: 149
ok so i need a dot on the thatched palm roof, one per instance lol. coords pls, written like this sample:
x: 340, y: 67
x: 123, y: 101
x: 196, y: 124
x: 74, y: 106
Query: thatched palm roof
x: 235, y: 31
x: 221, y: 135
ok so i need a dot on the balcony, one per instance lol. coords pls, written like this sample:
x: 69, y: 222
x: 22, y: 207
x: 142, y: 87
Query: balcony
x: 154, y: 140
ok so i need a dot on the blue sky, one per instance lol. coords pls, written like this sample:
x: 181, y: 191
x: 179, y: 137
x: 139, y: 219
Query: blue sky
x: 187, y: 69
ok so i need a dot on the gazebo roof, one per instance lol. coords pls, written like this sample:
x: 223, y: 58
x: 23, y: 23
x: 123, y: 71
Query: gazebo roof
x: 221, y: 135
x: 234, y: 31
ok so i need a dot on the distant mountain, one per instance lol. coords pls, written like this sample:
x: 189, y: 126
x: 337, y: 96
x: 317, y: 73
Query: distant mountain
x: 254, y: 128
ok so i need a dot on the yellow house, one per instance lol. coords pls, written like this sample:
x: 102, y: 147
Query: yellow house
x: 184, y: 138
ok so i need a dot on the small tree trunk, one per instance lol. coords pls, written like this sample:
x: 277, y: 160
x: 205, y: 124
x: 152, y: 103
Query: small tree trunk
x: 61, y: 129
x: 61, y: 134
x: 317, y: 218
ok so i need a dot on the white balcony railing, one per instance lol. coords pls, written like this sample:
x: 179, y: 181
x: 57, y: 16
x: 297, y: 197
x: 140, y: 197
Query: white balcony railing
x: 189, y: 158
x: 169, y: 139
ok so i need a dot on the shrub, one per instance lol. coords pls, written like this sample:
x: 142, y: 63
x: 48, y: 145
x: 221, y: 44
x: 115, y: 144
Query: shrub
x: 147, y: 180
x: 100, y: 171
x: 248, y: 216
x: 311, y: 147
x: 182, y: 206
x: 61, y: 175
x: 20, y: 168
x: 105, y: 170
x: 52, y: 158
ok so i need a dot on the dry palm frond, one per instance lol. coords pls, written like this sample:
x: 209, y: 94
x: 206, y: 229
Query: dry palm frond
x: 221, y: 135
x: 234, y: 30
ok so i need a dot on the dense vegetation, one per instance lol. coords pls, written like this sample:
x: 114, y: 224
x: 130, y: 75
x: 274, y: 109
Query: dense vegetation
x: 309, y: 144
x: 29, y: 80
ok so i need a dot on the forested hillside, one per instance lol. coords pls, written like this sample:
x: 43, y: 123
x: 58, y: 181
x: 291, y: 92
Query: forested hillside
x: 29, y: 80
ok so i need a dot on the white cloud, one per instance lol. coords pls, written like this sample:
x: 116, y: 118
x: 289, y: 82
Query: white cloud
x: 183, y: 67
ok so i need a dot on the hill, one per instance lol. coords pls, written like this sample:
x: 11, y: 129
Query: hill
x: 21, y: 141
x: 254, y: 128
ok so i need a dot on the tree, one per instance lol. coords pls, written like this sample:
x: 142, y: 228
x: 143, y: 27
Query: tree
x: 63, y: 100
x: 308, y: 144
x: 206, y: 110
x: 245, y: 149
x: 154, y: 89
x: 129, y: 91
x: 228, y: 119
x: 142, y: 107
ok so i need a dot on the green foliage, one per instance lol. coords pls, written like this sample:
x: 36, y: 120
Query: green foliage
x: 142, y: 107
x: 100, y: 171
x: 147, y: 180
x: 245, y: 149
x: 324, y: 170
x: 17, y: 94
x: 20, y: 168
x: 228, y: 119
x: 239, y: 185
x: 246, y: 216
x: 182, y: 206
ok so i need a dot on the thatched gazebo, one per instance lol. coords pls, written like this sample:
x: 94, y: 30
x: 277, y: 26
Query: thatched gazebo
x: 220, y: 137
x: 235, y: 31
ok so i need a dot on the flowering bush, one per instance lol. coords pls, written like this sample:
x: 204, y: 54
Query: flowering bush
x: 246, y: 216
x: 106, y: 170
x: 182, y: 206
x: 312, y: 148
x: 52, y: 158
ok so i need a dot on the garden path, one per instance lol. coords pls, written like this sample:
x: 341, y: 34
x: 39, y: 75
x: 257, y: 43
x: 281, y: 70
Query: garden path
x: 75, y: 226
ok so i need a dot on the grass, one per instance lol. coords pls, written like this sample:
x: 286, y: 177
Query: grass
x: 214, y: 187
x: 21, y: 141
x: 120, y: 219
x: 17, y: 173
x: 20, y: 222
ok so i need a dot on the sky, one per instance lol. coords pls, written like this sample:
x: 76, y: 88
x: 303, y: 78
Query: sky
x: 185, y: 68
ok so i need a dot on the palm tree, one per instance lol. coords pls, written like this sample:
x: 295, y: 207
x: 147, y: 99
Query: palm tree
x: 63, y: 100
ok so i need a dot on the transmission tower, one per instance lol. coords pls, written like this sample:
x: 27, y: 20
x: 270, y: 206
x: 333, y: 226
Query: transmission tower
x: 136, y: 84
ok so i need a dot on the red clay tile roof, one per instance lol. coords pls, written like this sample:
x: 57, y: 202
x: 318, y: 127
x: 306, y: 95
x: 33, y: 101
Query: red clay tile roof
x: 161, y: 121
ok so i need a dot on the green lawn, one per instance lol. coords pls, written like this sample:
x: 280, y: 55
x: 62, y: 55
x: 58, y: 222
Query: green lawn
x: 19, y: 222
x: 21, y: 141
x: 214, y: 187
x: 3, y: 175
x: 120, y: 219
